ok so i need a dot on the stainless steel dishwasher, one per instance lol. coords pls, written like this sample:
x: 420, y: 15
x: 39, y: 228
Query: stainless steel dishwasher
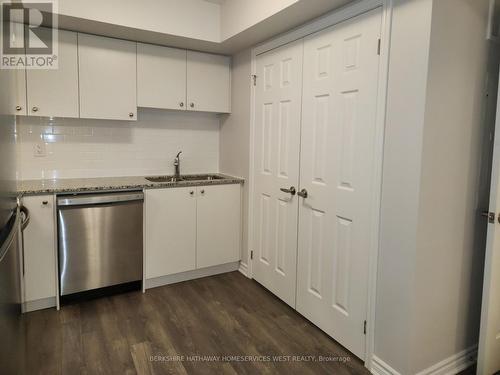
x: 100, y: 240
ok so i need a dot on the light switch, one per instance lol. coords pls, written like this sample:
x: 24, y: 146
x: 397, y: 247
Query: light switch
x: 39, y: 149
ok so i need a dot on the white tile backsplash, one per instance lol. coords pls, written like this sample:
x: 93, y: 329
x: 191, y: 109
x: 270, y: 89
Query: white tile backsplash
x: 77, y: 148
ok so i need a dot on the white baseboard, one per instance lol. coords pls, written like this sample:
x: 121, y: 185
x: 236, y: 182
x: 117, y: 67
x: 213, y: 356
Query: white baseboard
x: 190, y: 275
x: 449, y: 366
x: 379, y: 367
x: 39, y: 304
x: 243, y: 269
x: 453, y: 364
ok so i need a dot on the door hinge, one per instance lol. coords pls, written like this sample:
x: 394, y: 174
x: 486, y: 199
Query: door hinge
x: 379, y: 46
x: 364, y: 327
x: 490, y: 216
x: 254, y: 78
x: 251, y: 254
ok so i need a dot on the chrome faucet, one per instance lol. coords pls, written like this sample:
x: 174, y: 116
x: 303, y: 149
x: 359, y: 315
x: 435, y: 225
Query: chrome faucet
x: 177, y: 165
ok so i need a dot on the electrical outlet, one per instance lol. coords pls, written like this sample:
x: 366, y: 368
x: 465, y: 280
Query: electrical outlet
x: 39, y: 150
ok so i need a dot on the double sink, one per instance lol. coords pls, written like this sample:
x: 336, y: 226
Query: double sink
x: 198, y: 177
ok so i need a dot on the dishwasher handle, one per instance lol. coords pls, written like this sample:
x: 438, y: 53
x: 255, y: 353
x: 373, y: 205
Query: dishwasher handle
x: 26, y: 217
x: 85, y: 200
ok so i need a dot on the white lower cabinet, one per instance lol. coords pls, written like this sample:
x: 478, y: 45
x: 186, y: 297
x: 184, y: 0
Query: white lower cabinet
x: 39, y: 250
x: 170, y: 231
x: 218, y: 222
x: 191, y: 228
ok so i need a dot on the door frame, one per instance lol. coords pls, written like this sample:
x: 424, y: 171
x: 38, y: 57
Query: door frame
x: 344, y: 13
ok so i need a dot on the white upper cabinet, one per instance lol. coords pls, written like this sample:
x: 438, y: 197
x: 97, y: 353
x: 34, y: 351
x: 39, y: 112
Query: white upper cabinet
x: 107, y: 75
x: 161, y: 77
x: 208, y: 82
x: 54, y: 92
x: 13, y: 81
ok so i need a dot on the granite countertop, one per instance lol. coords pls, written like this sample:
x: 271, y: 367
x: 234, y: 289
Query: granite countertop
x: 78, y: 185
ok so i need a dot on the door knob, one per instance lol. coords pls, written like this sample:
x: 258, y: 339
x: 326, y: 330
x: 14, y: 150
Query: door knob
x: 291, y: 191
x: 303, y: 193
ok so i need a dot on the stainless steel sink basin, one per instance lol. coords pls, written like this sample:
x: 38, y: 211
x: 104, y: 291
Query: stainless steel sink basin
x: 202, y: 177
x: 163, y: 179
x: 198, y: 177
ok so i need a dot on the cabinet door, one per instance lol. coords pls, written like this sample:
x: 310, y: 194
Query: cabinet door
x: 161, y: 77
x: 39, y: 249
x: 55, y: 92
x: 170, y: 231
x: 208, y: 82
x: 218, y: 225
x: 13, y: 81
x: 107, y: 73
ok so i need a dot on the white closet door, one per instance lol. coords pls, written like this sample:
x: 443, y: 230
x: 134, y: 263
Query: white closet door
x: 277, y: 146
x: 337, y: 158
x: 488, y: 360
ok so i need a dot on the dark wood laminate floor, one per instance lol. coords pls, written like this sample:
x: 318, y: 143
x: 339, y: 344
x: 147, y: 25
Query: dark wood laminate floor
x: 224, y: 315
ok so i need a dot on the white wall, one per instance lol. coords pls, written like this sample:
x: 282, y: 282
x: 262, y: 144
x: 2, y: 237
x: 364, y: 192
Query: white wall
x: 196, y: 19
x: 93, y: 148
x: 450, y: 245
x: 431, y: 239
x: 401, y: 173
x: 235, y: 134
x: 238, y: 15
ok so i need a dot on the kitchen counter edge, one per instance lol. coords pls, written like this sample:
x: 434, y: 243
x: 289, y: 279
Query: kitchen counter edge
x: 103, y: 184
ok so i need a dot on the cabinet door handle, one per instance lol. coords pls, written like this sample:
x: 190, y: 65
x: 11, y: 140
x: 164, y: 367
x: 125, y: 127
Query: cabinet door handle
x: 45, y: 203
x: 181, y: 104
x: 191, y: 105
x: 131, y: 114
x: 18, y: 108
x: 202, y: 191
x: 191, y: 192
x: 35, y: 109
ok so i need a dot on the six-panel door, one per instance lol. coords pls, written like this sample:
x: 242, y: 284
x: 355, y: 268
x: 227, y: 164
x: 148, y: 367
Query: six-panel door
x: 277, y: 146
x: 337, y: 170
x: 161, y: 77
x: 54, y: 92
x: 107, y: 77
x: 218, y: 224
x: 170, y: 231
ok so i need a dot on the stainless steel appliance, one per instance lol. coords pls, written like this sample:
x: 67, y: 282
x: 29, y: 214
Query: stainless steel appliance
x: 11, y: 326
x: 100, y: 240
